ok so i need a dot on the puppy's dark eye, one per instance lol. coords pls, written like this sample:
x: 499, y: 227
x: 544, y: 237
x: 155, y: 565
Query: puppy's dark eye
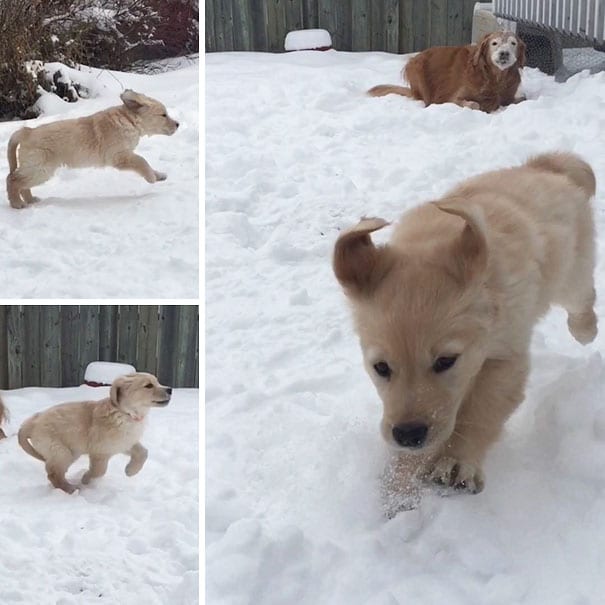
x: 164, y: 115
x: 149, y: 386
x: 382, y: 369
x: 444, y: 363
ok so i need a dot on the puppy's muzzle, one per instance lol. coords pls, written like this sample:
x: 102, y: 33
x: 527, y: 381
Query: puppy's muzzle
x: 166, y: 401
x: 411, y: 436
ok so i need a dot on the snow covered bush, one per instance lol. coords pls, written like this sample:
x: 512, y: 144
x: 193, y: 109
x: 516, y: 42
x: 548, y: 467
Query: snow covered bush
x: 99, y: 33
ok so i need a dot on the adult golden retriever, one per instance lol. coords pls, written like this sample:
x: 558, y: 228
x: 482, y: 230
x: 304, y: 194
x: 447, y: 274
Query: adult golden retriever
x: 105, y: 138
x: 483, y: 76
x: 60, y: 435
x: 446, y: 310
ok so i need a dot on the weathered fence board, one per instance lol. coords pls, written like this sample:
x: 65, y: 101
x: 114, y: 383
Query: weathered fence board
x: 387, y: 25
x: 51, y: 345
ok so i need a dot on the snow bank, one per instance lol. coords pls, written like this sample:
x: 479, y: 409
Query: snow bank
x: 122, y: 540
x: 293, y: 454
x: 102, y: 233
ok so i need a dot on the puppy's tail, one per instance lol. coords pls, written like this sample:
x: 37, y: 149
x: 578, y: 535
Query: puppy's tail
x: 386, y: 89
x: 11, y: 152
x: 3, y: 417
x: 23, y: 437
x: 570, y: 165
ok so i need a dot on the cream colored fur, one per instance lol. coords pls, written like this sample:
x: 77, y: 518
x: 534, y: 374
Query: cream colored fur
x: 466, y: 278
x: 61, y: 434
x: 105, y: 138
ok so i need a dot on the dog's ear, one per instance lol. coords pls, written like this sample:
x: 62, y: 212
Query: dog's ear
x: 132, y: 100
x: 480, y: 50
x: 521, y: 48
x: 470, y: 249
x: 357, y: 263
x: 115, y: 391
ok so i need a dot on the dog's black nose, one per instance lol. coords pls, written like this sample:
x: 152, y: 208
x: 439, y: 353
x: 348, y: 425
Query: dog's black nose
x: 169, y: 390
x: 410, y: 435
x: 504, y: 55
x: 177, y: 124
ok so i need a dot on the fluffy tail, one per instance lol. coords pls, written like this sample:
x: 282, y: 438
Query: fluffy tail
x: 3, y: 417
x: 570, y: 165
x: 23, y: 437
x: 386, y: 89
x: 11, y: 152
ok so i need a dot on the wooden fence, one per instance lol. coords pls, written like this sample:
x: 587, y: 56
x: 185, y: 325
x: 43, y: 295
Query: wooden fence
x: 397, y: 26
x: 50, y: 346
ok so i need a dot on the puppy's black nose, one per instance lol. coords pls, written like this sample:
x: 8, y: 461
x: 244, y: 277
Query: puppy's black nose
x: 169, y: 390
x: 410, y: 435
x: 177, y: 124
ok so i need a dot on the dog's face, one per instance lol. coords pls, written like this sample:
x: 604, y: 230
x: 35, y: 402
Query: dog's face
x: 502, y: 50
x: 423, y: 323
x: 153, y: 116
x: 135, y: 394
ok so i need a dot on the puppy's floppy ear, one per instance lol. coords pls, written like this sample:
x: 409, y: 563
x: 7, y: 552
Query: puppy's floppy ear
x: 114, y: 391
x: 480, y: 50
x: 521, y: 48
x: 132, y: 99
x: 470, y: 249
x: 357, y: 263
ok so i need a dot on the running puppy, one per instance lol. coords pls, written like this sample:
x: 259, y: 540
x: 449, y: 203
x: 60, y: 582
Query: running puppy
x: 445, y: 311
x: 484, y: 76
x: 61, y: 434
x: 106, y: 138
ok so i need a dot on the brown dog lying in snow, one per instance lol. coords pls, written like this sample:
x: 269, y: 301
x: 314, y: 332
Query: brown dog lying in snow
x: 446, y: 310
x: 105, y: 138
x: 484, y: 76
x: 60, y: 435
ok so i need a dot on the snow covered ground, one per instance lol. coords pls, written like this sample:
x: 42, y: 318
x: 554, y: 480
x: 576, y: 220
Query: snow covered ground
x: 121, y: 541
x: 295, y: 152
x: 101, y: 233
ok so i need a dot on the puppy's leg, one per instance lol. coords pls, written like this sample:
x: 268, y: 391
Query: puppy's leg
x: 26, y: 194
x: 498, y: 390
x: 20, y: 182
x: 138, y: 455
x: 13, y: 191
x: 57, y: 466
x: 97, y: 468
x: 138, y: 164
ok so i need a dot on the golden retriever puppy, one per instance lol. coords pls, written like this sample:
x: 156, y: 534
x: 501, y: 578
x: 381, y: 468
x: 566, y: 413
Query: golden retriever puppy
x: 480, y: 76
x: 60, y: 435
x: 445, y: 311
x: 3, y: 417
x: 106, y: 138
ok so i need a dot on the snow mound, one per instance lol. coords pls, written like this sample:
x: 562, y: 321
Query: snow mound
x: 307, y: 39
x: 105, y: 372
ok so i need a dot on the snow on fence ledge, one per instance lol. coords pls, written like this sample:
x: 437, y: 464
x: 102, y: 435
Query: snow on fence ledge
x: 582, y: 18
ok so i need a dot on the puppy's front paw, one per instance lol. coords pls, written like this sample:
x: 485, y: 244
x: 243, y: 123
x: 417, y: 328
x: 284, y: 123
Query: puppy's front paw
x: 159, y: 176
x: 453, y: 473
x: 132, y: 468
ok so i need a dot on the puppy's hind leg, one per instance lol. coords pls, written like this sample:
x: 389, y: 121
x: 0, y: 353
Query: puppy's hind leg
x: 57, y: 466
x: 138, y: 164
x: 20, y: 182
x: 138, y: 455
x: 97, y: 468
